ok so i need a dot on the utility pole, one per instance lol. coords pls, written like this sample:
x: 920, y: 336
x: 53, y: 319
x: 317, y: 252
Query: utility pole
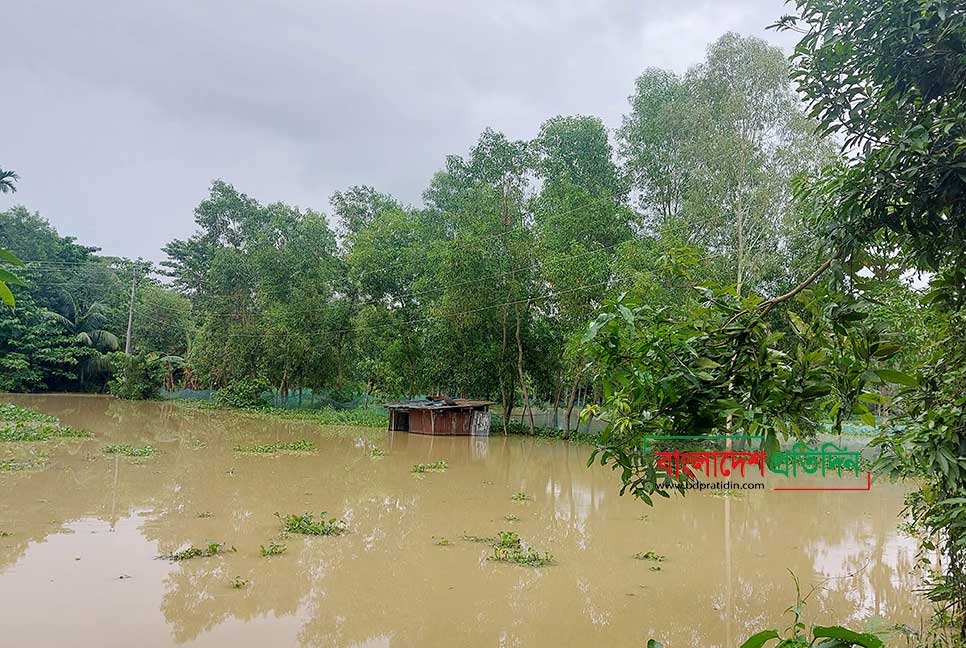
x: 130, y: 313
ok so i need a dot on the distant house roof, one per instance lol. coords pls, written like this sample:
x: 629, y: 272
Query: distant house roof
x: 438, y: 403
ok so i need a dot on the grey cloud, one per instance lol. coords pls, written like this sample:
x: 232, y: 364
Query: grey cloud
x: 119, y: 114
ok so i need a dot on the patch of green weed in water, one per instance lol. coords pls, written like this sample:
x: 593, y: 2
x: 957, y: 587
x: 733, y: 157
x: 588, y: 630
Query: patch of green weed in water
x: 128, y: 450
x: 438, y: 466
x: 509, y: 548
x: 238, y: 582
x: 306, y: 524
x: 301, y: 445
x: 511, y: 518
x: 375, y: 453
x: 520, y: 497
x: 211, y: 549
x: 650, y: 555
x: 273, y: 549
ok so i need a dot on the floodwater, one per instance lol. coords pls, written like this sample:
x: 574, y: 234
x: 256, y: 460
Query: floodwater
x: 80, y: 565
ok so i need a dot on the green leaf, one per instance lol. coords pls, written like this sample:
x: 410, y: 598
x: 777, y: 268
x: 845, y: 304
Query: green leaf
x: 897, y: 377
x: 6, y: 296
x: 760, y: 639
x: 10, y: 257
x: 848, y: 636
x: 10, y: 278
x: 654, y: 643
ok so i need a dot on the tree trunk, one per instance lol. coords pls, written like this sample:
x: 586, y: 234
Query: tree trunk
x: 570, y: 404
x: 523, y: 379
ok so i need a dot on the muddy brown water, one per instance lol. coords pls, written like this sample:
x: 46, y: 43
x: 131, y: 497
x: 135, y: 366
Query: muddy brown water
x: 80, y: 565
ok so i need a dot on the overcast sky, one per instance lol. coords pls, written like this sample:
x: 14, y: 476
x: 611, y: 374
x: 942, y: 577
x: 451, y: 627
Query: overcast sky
x: 117, y: 115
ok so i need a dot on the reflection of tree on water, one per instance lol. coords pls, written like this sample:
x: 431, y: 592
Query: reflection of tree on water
x: 386, y: 583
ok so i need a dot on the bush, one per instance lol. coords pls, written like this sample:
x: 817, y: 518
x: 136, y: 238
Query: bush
x: 136, y: 377
x: 246, y: 392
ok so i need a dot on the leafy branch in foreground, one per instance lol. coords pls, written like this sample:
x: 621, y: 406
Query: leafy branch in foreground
x: 722, y: 366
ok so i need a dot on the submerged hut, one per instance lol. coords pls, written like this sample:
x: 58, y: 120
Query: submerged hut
x: 441, y: 415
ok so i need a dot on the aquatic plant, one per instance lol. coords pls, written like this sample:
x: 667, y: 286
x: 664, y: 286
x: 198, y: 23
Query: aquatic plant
x: 238, y: 582
x: 301, y: 445
x: 306, y: 525
x: 511, y: 518
x: 128, y: 450
x: 16, y: 414
x: 273, y: 549
x: 520, y: 497
x: 509, y: 548
x: 481, y: 539
x: 211, y: 549
x: 206, y: 514
x: 377, y: 452
x: 441, y: 541
x: 22, y: 424
x: 438, y: 466
x: 650, y: 555
x: 36, y: 461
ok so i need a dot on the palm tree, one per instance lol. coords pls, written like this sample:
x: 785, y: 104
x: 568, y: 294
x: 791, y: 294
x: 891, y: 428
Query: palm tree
x: 7, y: 180
x: 86, y: 327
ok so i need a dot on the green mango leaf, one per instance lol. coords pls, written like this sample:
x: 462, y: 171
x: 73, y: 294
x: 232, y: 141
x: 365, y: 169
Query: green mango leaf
x: 797, y: 323
x: 6, y: 296
x: 848, y: 636
x: 10, y: 257
x: 11, y: 278
x: 897, y: 377
x: 654, y: 643
x: 760, y: 639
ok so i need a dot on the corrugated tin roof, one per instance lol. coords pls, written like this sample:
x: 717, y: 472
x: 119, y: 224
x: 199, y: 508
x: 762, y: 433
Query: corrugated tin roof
x: 438, y: 402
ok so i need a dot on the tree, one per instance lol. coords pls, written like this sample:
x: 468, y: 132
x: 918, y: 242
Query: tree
x: 8, y: 180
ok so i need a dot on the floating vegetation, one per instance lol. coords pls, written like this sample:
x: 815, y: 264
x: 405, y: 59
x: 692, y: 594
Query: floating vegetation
x: 650, y: 555
x: 480, y: 539
x: 441, y: 541
x: 511, y: 518
x: 655, y: 568
x: 273, y: 549
x: 438, y: 466
x: 5, y: 534
x: 377, y: 452
x: 17, y: 414
x: 238, y: 582
x: 520, y: 497
x: 206, y: 514
x: 211, y: 549
x: 36, y: 461
x: 23, y: 424
x: 306, y: 525
x: 128, y: 450
x: 271, y: 448
x: 509, y: 548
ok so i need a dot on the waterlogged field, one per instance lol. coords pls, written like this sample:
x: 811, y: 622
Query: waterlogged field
x: 181, y: 544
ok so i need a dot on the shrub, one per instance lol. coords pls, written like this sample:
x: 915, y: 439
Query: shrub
x: 243, y: 393
x: 136, y: 377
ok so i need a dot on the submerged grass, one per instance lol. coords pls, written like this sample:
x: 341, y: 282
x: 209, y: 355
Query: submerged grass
x: 650, y: 555
x: 510, y: 548
x: 305, y: 524
x: 273, y: 549
x: 211, y: 549
x: 128, y: 450
x: 438, y: 466
x: 34, y: 462
x: 301, y: 445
